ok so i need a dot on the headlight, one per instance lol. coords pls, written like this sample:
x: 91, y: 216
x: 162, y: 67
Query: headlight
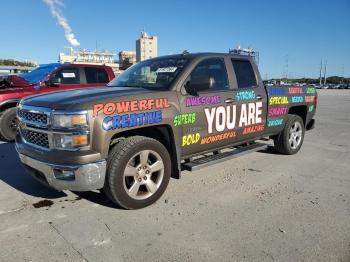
x: 70, y: 120
x: 77, y: 123
x: 65, y: 141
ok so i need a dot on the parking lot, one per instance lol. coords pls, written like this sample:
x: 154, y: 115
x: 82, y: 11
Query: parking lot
x: 260, y: 207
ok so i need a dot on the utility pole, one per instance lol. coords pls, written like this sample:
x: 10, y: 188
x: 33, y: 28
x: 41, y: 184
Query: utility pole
x: 321, y: 72
x: 287, y: 65
x: 325, y: 72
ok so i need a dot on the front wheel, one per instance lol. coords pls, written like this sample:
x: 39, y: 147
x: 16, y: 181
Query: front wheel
x: 289, y: 141
x: 8, y: 125
x: 138, y: 172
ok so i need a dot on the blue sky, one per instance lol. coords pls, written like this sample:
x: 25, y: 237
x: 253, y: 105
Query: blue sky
x: 301, y: 32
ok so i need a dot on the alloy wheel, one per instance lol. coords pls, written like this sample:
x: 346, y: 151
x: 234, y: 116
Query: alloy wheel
x: 295, y: 135
x: 143, y: 174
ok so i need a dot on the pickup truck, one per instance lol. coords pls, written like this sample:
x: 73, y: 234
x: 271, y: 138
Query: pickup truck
x: 159, y: 117
x: 46, y: 78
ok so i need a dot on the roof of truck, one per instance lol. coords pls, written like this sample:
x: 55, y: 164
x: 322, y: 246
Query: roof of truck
x: 195, y: 55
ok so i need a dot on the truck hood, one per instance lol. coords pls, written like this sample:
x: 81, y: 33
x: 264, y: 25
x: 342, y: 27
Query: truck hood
x: 82, y: 98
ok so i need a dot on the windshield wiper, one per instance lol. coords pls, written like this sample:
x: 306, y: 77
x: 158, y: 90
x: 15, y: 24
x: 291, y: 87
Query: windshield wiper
x: 131, y: 86
x: 127, y: 86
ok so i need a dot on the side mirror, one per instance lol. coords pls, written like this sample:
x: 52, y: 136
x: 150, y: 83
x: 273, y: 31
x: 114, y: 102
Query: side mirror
x: 53, y: 82
x: 199, y: 83
x: 190, y: 89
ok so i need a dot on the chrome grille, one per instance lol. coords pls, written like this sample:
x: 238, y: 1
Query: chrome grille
x: 36, y: 138
x: 33, y: 117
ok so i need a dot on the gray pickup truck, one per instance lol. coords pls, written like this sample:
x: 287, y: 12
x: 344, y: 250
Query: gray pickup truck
x: 161, y: 116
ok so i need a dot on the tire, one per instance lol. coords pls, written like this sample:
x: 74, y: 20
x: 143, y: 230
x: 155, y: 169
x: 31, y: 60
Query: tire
x: 8, y: 125
x: 147, y: 176
x: 290, y: 140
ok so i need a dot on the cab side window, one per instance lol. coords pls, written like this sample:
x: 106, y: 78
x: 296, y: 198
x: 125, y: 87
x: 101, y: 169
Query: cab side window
x: 209, y: 75
x: 67, y: 76
x: 96, y: 75
x: 244, y: 73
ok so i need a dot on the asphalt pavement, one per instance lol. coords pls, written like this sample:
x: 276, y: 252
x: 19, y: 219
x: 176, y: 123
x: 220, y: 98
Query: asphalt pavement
x: 260, y: 207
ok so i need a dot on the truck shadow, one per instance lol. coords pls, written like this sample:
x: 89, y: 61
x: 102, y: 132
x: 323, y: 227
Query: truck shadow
x: 269, y: 150
x: 97, y: 198
x: 13, y: 174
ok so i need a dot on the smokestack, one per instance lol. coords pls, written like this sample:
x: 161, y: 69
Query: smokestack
x: 56, y: 12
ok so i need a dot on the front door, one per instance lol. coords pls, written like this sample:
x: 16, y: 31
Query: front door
x: 208, y: 117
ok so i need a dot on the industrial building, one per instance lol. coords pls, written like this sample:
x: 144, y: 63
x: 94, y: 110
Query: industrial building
x: 146, y: 47
x: 85, y: 56
x: 127, y: 59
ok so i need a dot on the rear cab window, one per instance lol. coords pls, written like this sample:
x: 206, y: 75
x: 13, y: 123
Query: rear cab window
x: 245, y: 74
x: 96, y: 75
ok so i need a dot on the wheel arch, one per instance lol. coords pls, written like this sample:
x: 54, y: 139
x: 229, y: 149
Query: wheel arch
x: 161, y: 133
x: 300, y: 111
x: 8, y: 104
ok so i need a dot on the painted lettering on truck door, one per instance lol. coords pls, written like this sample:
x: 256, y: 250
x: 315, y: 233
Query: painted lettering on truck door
x: 229, y: 116
x: 207, y: 107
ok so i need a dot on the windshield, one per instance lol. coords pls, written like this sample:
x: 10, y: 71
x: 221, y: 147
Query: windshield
x: 155, y: 74
x: 40, y: 73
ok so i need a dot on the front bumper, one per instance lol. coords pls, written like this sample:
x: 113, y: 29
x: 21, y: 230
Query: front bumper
x: 86, y: 177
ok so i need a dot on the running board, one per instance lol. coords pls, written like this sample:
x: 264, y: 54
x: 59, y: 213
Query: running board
x: 221, y: 157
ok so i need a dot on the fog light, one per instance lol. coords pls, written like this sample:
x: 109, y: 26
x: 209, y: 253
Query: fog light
x: 67, y: 175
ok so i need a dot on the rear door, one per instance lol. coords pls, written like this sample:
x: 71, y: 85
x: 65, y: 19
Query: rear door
x: 250, y: 99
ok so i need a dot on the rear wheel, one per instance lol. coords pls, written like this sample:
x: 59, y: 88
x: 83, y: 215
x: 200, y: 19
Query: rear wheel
x: 290, y: 140
x: 8, y: 124
x: 138, y: 172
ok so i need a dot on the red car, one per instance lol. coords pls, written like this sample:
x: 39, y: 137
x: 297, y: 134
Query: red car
x: 46, y: 78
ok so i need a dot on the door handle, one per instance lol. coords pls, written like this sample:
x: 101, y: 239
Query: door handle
x: 259, y: 97
x: 229, y: 100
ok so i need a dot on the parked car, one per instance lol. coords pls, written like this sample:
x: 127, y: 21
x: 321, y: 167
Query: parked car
x: 157, y: 118
x: 44, y: 79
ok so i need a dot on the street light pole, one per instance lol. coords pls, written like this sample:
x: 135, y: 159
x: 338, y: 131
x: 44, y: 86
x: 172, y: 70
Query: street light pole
x: 321, y: 72
x: 325, y: 72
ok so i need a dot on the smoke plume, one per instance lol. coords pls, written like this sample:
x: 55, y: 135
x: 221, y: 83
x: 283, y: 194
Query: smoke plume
x: 56, y: 12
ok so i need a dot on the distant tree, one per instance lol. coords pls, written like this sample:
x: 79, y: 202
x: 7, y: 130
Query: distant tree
x: 337, y: 80
x: 12, y: 62
x: 330, y: 80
